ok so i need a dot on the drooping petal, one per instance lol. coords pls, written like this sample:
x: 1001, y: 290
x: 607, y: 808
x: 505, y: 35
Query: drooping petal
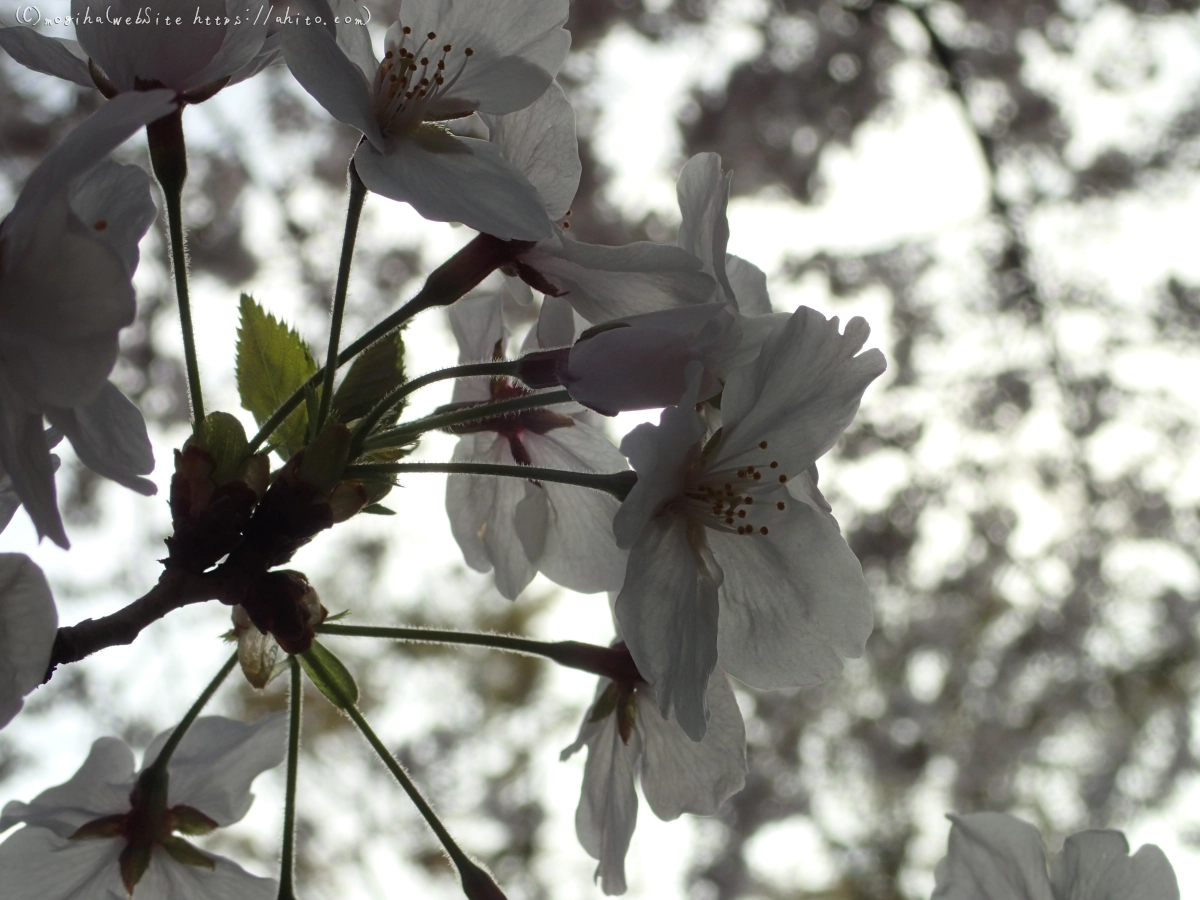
x: 481, y: 512
x: 213, y: 766
x: 667, y: 613
x: 101, y: 133
x: 109, y: 435
x: 680, y: 775
x: 224, y: 881
x: 28, y: 625
x: 333, y: 79
x: 447, y: 178
x: 540, y: 141
x: 100, y: 788
x: 605, y: 283
x: 172, y: 60
x: 703, y: 192
x: 517, y: 49
x: 50, y: 56
x: 578, y: 550
x: 992, y: 856
x: 793, y: 602
x: 607, y: 811
x: 36, y: 864
x: 800, y: 393
x: 26, y: 458
x: 115, y: 202
x: 1096, y: 865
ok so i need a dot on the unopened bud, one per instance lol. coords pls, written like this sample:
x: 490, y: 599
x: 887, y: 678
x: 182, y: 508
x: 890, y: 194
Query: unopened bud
x: 284, y: 605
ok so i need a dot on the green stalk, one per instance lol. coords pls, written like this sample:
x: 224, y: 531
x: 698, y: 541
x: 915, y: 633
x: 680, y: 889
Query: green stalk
x: 402, y: 434
x: 371, y: 419
x: 168, y: 158
x: 445, y: 284
x: 160, y: 763
x: 358, y: 193
x: 287, y: 862
x: 619, y: 484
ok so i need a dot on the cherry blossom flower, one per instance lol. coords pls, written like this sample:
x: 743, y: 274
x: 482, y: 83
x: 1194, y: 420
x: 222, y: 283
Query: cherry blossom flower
x: 627, y: 738
x: 193, y: 47
x: 601, y: 283
x: 442, y: 60
x: 993, y: 856
x: 28, y: 624
x: 516, y: 527
x: 89, y: 837
x: 733, y: 551
x: 59, y: 323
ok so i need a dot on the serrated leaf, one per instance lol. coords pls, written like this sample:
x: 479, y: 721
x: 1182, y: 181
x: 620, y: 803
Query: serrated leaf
x: 377, y: 509
x: 376, y: 371
x: 272, y: 362
x: 329, y: 675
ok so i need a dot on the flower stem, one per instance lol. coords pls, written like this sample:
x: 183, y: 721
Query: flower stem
x: 358, y: 193
x: 168, y: 157
x: 619, y: 484
x: 402, y: 434
x: 393, y: 765
x: 445, y: 284
x: 287, y: 862
x: 611, y: 662
x: 159, y: 765
x: 371, y: 419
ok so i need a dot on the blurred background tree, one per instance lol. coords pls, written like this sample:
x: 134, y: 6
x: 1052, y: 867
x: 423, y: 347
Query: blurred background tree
x: 1009, y: 192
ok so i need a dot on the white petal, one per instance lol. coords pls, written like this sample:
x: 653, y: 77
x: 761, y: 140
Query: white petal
x: 36, y: 864
x: 703, y: 193
x: 109, y: 435
x: 478, y: 326
x: 749, y: 285
x: 518, y: 47
x: 50, y: 56
x: 667, y: 613
x: 242, y: 42
x: 800, y: 393
x: 118, y: 198
x: 354, y: 37
x: 1096, y: 865
x: 226, y: 880
x: 482, y: 510
x: 793, y: 601
x: 173, y: 59
x: 540, y: 141
x: 607, y: 811
x: 26, y: 458
x: 680, y: 775
x: 28, y: 625
x: 334, y: 80
x: 992, y: 856
x: 101, y: 133
x: 556, y: 325
x: 213, y: 766
x: 452, y: 179
x: 579, y: 551
x: 604, y: 283
x: 661, y: 455
x: 100, y: 788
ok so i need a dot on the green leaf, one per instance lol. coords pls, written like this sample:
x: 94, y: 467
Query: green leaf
x: 225, y: 439
x: 329, y: 675
x: 272, y: 362
x: 376, y: 371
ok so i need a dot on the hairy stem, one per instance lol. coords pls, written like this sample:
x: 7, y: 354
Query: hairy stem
x: 287, y: 860
x: 403, y: 433
x: 619, y: 484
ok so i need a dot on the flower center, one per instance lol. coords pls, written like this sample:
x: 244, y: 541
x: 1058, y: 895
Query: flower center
x: 744, y: 500
x: 412, y: 78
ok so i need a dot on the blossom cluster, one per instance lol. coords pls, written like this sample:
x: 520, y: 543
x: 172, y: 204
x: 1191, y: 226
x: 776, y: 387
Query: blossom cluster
x: 708, y: 530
